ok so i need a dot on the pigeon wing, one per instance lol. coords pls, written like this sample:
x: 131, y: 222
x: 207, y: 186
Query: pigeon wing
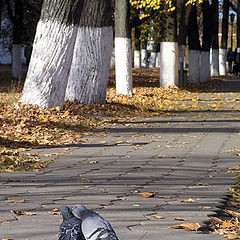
x: 96, y: 228
x: 70, y: 229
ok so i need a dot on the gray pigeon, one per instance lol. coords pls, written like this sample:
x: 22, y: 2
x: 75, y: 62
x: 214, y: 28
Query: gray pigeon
x: 70, y: 228
x: 94, y: 227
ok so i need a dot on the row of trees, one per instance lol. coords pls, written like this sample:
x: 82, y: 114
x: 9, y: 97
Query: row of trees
x: 74, y: 40
x: 23, y: 15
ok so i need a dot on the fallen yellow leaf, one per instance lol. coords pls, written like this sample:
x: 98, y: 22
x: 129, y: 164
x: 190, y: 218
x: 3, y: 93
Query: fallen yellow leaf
x: 187, y: 226
x: 148, y: 194
x: 157, y: 217
x: 179, y: 219
x: 190, y: 200
x: 226, y: 224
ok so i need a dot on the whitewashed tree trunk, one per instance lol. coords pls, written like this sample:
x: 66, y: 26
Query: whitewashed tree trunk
x: 89, y: 73
x: 152, y: 60
x: 181, y: 55
x: 222, y: 61
x: 194, y: 66
x: 143, y: 58
x: 205, y: 66
x: 123, y: 66
x: 48, y: 70
x: 168, y: 47
x: 17, y: 60
x: 137, y: 59
x: 112, y: 62
x: 215, y: 63
x: 123, y: 52
x: 168, y: 64
x: 158, y: 60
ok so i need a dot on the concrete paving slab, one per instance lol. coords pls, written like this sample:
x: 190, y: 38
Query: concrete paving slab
x: 180, y: 157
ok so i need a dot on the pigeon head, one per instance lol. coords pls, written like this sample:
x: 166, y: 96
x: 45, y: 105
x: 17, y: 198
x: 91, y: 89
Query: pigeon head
x: 65, y: 211
x: 79, y: 210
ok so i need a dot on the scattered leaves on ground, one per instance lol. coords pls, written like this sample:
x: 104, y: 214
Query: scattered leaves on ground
x: 187, y: 226
x: 148, y: 194
x: 157, y: 217
x: 55, y: 211
x: 26, y: 127
x: 180, y: 219
x: 16, y: 201
x: 228, y: 222
x: 189, y: 200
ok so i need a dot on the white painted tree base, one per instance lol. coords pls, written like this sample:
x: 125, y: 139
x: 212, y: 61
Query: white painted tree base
x: 194, y: 66
x: 143, y: 58
x: 222, y: 61
x: 123, y: 68
x: 215, y: 63
x: 181, y: 55
x: 137, y: 59
x: 89, y: 73
x: 152, y: 60
x: 168, y: 64
x: 17, y: 60
x: 48, y: 70
x: 112, y: 62
x: 205, y: 66
x: 158, y: 60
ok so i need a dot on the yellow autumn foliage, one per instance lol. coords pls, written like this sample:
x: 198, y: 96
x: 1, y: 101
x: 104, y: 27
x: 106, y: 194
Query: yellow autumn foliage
x: 155, y: 4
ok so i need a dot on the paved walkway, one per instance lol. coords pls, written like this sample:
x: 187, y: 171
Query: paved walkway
x: 180, y: 157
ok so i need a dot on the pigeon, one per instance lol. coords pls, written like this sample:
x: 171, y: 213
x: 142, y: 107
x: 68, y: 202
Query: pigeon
x: 70, y: 228
x: 94, y: 227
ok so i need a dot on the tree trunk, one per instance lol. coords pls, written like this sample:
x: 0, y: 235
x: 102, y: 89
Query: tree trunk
x: 144, y: 58
x: 223, y: 49
x: 158, y: 59
x: 52, y: 53
x: 112, y: 62
x: 123, y: 55
x: 137, y: 54
x: 169, y: 49
x: 206, y: 41
x: 194, y: 47
x: 155, y: 50
x: 238, y: 23
x: 89, y: 72
x: 17, y: 21
x: 183, y: 32
x: 17, y: 60
x: 215, y: 41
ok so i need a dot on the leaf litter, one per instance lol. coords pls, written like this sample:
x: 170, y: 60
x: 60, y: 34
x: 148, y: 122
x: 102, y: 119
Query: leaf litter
x: 28, y: 127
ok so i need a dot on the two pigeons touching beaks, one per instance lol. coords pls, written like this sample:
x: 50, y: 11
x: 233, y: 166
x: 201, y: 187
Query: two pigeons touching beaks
x: 81, y: 223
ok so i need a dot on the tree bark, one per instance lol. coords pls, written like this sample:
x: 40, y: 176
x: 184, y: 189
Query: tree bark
x: 155, y: 49
x: 194, y: 47
x: 123, y: 55
x: 183, y: 32
x: 238, y: 23
x: 17, y: 21
x: 144, y: 57
x: 206, y: 42
x: 169, y: 49
x: 137, y: 54
x: 224, y: 39
x: 89, y: 72
x: 52, y: 53
x: 214, y: 39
